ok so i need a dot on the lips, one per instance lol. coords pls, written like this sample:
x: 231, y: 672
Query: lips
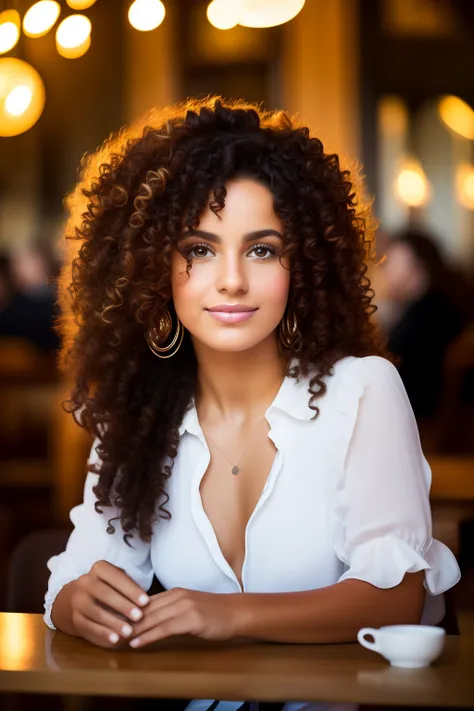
x: 231, y: 308
x: 231, y: 313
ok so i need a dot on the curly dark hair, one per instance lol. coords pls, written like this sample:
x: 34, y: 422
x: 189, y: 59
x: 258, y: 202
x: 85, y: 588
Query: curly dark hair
x: 134, y: 197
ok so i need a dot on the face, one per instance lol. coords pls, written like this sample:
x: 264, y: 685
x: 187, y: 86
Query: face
x: 402, y: 275
x: 237, y: 289
x: 29, y: 270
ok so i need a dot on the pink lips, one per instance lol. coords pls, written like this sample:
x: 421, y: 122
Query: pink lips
x: 228, y: 313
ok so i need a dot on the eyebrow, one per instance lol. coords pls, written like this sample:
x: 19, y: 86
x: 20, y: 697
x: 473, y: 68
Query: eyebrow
x: 249, y: 237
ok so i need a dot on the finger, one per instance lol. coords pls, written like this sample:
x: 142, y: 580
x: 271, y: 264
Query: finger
x: 115, y: 601
x: 94, y: 612
x: 167, y: 596
x: 158, y: 601
x: 98, y: 634
x: 157, y: 612
x: 162, y: 599
x: 166, y: 622
x: 120, y: 581
x: 174, y: 626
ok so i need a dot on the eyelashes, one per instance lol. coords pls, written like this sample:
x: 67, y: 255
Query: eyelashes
x: 191, y: 253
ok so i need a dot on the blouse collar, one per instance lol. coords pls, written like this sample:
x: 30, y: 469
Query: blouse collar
x: 291, y: 399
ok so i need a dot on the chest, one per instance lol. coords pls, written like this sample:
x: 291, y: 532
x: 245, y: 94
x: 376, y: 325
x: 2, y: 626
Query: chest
x: 269, y: 528
x: 229, y: 500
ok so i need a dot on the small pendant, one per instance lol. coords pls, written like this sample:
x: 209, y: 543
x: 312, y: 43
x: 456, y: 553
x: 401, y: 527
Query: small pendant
x: 235, y: 470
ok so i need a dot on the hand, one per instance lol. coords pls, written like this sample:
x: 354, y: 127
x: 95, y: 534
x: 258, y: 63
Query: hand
x: 179, y: 611
x: 104, y: 602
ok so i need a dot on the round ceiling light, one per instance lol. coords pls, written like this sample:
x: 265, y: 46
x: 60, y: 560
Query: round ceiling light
x: 9, y: 30
x: 457, y: 115
x: 22, y: 96
x: 269, y: 13
x: 146, y: 15
x: 224, y: 14
x: 40, y: 18
x: 80, y: 4
x: 73, y: 36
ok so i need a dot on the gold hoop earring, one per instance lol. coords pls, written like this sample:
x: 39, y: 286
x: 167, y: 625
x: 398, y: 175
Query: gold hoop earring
x: 289, y: 335
x: 157, y: 335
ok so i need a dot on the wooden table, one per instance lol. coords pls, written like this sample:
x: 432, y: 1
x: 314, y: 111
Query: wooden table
x: 33, y: 659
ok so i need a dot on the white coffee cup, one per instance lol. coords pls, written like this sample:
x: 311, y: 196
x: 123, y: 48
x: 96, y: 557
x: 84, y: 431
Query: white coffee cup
x: 411, y: 646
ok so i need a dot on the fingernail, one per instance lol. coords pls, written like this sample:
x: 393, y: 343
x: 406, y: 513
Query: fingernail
x: 113, y: 638
x: 126, y: 630
x: 143, y: 599
x: 136, y: 613
x: 135, y: 642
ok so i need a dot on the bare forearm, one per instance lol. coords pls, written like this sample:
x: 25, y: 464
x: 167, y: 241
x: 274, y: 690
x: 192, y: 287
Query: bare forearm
x: 331, y: 614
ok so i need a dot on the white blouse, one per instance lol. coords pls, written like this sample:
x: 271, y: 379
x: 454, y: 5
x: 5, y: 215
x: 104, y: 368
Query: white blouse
x: 347, y: 497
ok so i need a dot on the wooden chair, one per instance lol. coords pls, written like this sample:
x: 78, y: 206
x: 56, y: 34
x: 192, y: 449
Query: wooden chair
x: 28, y: 380
x: 27, y: 577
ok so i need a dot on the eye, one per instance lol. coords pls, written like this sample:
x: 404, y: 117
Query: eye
x: 197, y: 251
x: 263, y: 251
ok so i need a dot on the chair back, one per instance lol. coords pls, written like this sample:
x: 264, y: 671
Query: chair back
x: 27, y: 577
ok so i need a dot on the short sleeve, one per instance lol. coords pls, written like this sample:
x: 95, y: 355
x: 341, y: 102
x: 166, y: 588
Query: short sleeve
x: 383, y: 516
x: 90, y: 542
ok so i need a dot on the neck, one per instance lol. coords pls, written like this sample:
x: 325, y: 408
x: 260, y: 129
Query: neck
x: 239, y: 386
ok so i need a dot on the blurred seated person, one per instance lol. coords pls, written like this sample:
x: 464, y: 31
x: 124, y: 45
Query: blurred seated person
x: 420, y: 294
x: 28, y: 304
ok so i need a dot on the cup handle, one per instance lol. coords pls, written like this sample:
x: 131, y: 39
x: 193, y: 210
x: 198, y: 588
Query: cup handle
x: 365, y: 642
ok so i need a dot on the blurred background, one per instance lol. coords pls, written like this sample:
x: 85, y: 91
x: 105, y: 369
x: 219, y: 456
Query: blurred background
x: 387, y: 84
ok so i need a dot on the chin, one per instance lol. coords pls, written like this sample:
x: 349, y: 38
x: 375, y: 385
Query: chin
x: 231, y: 345
x: 232, y: 348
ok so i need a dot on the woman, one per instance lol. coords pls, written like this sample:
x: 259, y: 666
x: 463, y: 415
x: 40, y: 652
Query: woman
x: 424, y: 290
x: 251, y: 439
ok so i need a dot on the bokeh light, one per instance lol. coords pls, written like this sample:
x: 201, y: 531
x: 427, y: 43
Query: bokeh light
x: 411, y: 185
x: 146, y: 15
x: 80, y: 4
x: 9, y: 30
x: 40, y: 18
x: 457, y: 115
x: 269, y: 13
x: 73, y: 36
x: 224, y: 14
x: 18, y: 100
x: 22, y: 96
x: 465, y: 185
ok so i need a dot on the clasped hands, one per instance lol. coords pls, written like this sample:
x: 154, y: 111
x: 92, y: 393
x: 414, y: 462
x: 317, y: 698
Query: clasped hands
x: 111, y: 611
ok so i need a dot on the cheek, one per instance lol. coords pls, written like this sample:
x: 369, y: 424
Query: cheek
x: 186, y: 288
x: 273, y: 286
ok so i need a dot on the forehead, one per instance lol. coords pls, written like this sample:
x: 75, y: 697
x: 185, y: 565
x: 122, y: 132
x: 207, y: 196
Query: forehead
x: 248, y: 206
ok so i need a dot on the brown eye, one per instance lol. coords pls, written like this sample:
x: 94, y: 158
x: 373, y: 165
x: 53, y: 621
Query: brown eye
x: 200, y: 251
x: 197, y: 251
x: 263, y: 251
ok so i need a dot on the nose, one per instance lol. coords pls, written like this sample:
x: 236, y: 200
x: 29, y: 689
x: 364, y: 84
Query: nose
x: 232, y: 277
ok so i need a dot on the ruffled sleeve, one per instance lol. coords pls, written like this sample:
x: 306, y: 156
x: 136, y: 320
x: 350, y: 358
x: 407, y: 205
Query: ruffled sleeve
x: 383, y: 519
x: 90, y: 542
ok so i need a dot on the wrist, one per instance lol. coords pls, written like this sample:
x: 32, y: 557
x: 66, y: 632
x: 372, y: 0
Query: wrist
x: 243, y: 613
x: 62, y: 609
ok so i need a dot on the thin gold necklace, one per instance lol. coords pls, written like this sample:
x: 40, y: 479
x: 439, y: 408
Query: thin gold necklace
x: 235, y: 465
